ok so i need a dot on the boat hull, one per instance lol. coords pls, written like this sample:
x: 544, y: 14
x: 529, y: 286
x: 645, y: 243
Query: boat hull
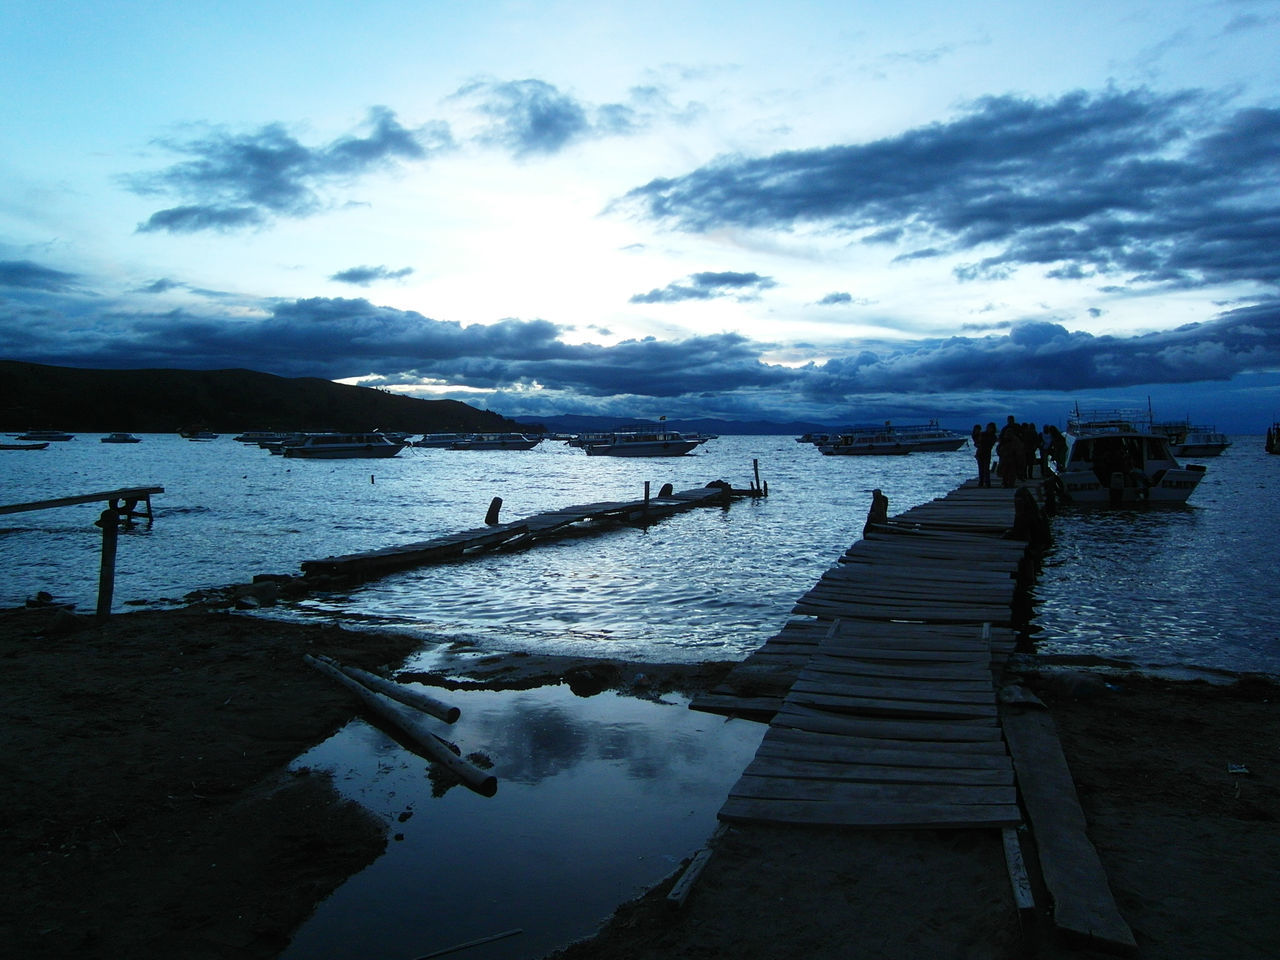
x: 864, y: 449
x: 1173, y: 485
x: 663, y: 448
x: 371, y: 451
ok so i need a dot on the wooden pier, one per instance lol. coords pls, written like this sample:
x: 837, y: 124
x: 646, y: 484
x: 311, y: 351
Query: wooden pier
x: 884, y: 703
x: 519, y: 535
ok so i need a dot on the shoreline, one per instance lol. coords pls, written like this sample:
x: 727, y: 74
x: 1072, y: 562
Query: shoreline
x: 152, y: 817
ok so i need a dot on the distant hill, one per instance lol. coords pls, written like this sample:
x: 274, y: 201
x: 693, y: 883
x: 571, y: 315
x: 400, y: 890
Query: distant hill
x: 34, y: 396
x: 573, y: 423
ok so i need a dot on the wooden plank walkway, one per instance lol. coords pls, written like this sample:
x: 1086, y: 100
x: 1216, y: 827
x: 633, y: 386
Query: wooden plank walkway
x: 882, y: 708
x: 521, y: 534
x: 882, y: 705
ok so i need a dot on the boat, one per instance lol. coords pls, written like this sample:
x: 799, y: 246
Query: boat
x: 201, y: 436
x: 261, y: 436
x: 1190, y: 440
x: 121, y: 438
x: 889, y: 439
x: 642, y: 443
x: 46, y: 436
x: 24, y: 446
x: 440, y: 440
x: 341, y: 446
x: 1273, y: 438
x: 496, y: 441
x: 1116, y: 457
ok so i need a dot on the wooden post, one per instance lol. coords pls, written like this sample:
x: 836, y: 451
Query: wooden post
x: 109, y: 523
x: 646, y: 496
x: 491, y: 518
x: 755, y: 466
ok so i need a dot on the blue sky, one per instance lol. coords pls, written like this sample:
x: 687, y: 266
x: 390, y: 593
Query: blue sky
x: 834, y: 212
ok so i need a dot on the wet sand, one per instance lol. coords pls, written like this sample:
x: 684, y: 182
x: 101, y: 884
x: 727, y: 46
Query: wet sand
x: 148, y: 812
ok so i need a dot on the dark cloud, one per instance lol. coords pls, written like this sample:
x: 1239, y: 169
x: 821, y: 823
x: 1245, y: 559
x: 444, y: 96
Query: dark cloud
x: 163, y: 285
x: 337, y: 338
x: 834, y: 298
x: 1046, y: 356
x: 531, y: 117
x: 1147, y: 187
x: 363, y: 276
x: 32, y: 276
x: 233, y: 181
x: 709, y: 286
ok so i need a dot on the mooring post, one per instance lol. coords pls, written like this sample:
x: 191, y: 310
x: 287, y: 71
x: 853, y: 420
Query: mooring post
x: 491, y: 518
x: 646, y: 496
x: 755, y: 466
x: 109, y: 522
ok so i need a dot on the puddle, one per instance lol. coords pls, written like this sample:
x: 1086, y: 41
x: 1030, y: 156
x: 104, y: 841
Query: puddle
x: 598, y: 799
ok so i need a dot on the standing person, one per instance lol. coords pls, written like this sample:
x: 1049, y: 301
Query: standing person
x: 1046, y: 451
x: 985, y: 443
x: 1009, y: 450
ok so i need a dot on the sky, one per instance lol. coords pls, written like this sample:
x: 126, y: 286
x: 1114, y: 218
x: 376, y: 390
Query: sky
x: 831, y: 212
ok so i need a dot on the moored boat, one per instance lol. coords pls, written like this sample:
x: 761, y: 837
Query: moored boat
x: 642, y: 443
x: 496, y: 441
x: 891, y: 439
x: 261, y: 436
x: 341, y: 446
x: 24, y: 446
x: 1190, y: 440
x: 439, y: 440
x: 47, y: 436
x: 121, y: 438
x: 1116, y: 457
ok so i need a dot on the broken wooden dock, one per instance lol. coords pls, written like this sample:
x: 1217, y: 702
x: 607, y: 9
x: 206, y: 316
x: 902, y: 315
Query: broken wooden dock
x: 883, y: 702
x: 521, y: 534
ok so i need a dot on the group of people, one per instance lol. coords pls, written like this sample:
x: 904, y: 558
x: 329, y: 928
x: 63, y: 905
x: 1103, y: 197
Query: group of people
x: 1018, y: 448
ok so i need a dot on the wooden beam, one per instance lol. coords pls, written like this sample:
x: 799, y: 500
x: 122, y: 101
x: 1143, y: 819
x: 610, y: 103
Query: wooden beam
x: 126, y: 493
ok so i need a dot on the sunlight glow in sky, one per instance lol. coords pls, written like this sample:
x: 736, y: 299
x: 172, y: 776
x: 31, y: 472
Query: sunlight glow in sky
x: 826, y: 211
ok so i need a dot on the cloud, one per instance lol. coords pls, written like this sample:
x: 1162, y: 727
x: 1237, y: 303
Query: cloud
x: 1153, y: 188
x: 532, y: 117
x: 363, y: 276
x: 519, y: 362
x: 709, y: 286
x: 32, y: 276
x: 235, y: 181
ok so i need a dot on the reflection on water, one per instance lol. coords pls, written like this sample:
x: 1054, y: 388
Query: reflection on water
x: 1189, y: 585
x: 598, y: 799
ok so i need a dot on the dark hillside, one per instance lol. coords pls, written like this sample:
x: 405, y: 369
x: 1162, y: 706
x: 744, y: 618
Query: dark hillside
x: 34, y: 396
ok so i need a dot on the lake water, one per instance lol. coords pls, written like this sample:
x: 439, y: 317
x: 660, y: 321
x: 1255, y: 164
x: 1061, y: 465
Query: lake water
x: 599, y: 797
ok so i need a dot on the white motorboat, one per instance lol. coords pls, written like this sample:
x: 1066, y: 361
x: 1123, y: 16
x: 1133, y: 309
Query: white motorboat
x: 121, y: 438
x: 640, y: 443
x: 1116, y: 457
x: 341, y: 446
x: 890, y: 439
x: 496, y: 441
x: 1189, y: 440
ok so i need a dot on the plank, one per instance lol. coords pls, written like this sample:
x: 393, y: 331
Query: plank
x: 862, y: 814
x: 884, y: 707
x: 900, y: 690
x: 125, y: 493
x: 788, y: 788
x: 916, y: 752
x: 803, y: 718
x: 1083, y: 905
x: 767, y: 765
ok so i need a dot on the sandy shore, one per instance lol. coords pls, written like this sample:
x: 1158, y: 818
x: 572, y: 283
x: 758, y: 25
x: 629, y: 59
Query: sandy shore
x: 148, y: 815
